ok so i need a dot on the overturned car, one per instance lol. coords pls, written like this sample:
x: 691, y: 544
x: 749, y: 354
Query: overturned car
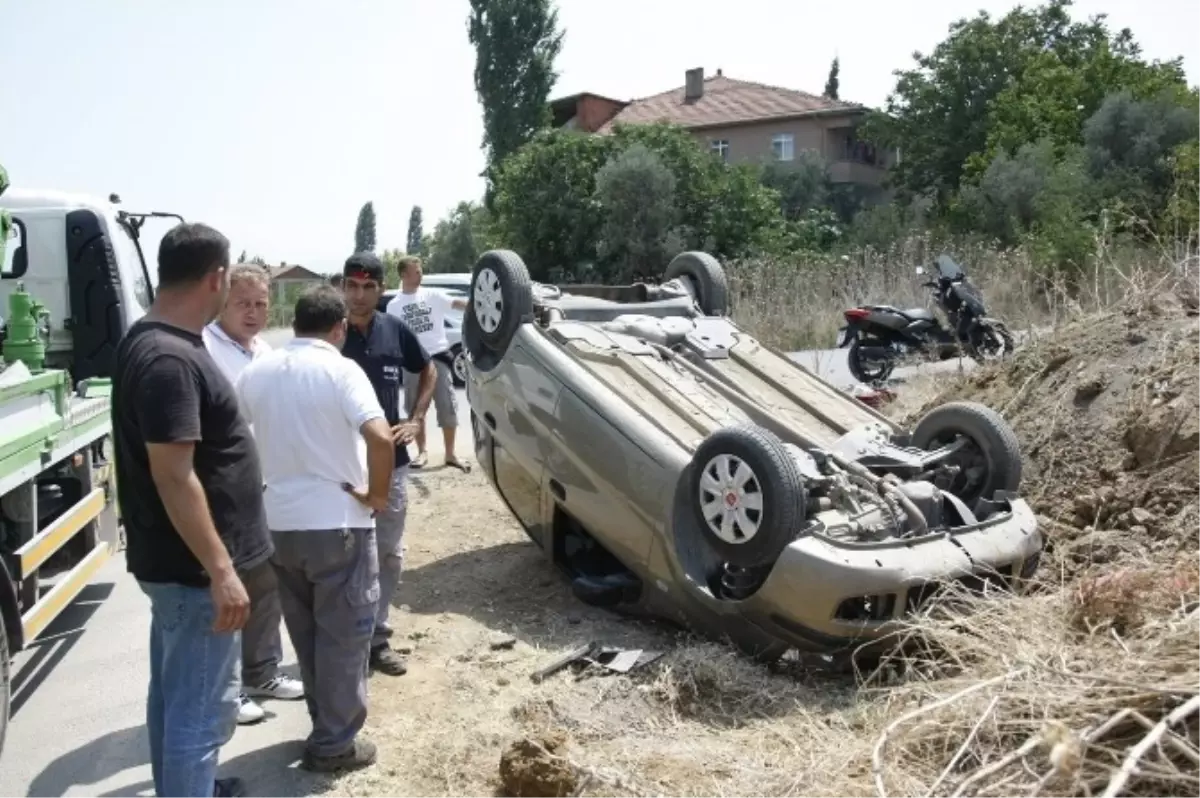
x: 674, y: 466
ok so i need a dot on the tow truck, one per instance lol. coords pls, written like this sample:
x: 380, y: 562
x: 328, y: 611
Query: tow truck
x: 73, y: 279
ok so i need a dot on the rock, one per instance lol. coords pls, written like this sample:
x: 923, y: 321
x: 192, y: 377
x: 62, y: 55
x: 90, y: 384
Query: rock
x: 1142, y: 516
x: 537, y: 767
x: 502, y: 643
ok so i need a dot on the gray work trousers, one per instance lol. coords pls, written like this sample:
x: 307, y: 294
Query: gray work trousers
x: 389, y: 532
x: 262, y: 645
x: 329, y: 589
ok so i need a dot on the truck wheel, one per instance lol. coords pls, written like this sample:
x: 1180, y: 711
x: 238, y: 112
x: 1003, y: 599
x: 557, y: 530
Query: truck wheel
x: 501, y: 297
x: 5, y: 680
x: 707, y: 279
x: 990, y: 459
x: 747, y: 493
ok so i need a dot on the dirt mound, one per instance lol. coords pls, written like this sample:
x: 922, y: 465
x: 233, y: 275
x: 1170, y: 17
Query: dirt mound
x: 537, y: 767
x: 1107, y: 413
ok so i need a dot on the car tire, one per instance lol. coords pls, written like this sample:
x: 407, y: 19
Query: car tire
x: 501, y: 298
x: 707, y: 277
x: 458, y: 369
x: 994, y: 447
x: 5, y: 682
x: 746, y: 531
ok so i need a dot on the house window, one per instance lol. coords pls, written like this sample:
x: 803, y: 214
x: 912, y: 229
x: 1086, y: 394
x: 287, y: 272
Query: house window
x: 783, y: 146
x: 721, y: 148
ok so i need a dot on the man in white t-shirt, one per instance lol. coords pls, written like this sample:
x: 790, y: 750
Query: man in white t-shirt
x: 424, y: 312
x: 327, y: 459
x: 234, y: 342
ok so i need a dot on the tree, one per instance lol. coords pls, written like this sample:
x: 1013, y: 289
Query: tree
x: 414, y: 231
x: 803, y: 184
x: 993, y: 84
x: 242, y: 257
x: 391, y: 260
x: 547, y: 206
x: 516, y: 42
x: 544, y: 201
x: 458, y: 239
x: 364, y: 231
x: 1130, y: 146
x: 831, y: 83
x: 636, y: 196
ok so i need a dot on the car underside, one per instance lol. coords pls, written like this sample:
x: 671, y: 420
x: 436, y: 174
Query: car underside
x: 675, y: 466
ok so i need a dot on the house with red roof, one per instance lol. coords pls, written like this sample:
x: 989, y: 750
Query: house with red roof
x: 741, y: 121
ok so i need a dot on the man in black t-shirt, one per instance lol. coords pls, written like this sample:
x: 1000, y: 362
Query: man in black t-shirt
x: 385, y: 348
x: 190, y: 489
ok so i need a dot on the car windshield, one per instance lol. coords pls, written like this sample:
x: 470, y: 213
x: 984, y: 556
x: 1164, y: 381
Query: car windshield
x: 948, y: 269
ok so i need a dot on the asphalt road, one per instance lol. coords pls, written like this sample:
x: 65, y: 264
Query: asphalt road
x: 77, y: 724
x: 79, y: 694
x: 830, y: 364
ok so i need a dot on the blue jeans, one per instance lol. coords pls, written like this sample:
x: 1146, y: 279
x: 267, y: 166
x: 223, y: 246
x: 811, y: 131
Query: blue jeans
x: 191, y: 710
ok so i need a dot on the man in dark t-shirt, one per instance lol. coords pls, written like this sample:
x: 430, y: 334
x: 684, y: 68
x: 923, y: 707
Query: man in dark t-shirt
x: 190, y: 489
x: 385, y: 348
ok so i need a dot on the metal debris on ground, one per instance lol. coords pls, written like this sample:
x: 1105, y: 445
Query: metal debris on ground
x: 610, y: 658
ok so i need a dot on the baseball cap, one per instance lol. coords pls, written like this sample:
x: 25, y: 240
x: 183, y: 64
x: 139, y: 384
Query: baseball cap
x: 364, y: 266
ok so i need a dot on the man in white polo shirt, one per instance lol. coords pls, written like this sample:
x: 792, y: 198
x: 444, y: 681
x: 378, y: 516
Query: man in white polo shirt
x: 327, y: 456
x: 234, y: 342
x: 233, y: 337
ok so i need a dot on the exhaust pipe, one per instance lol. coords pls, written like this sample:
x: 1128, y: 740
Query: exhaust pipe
x: 875, y: 352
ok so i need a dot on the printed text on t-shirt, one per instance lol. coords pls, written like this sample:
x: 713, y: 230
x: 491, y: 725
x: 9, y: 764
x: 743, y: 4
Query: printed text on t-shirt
x: 418, y: 316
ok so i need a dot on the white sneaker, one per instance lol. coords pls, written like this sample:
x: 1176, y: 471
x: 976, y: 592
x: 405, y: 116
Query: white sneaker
x: 282, y: 687
x: 248, y: 711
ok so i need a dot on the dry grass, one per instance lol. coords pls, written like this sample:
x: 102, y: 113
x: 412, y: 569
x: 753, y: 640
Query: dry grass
x: 798, y: 304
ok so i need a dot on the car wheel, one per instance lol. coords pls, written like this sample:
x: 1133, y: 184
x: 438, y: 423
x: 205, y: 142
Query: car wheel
x: 747, y: 493
x: 5, y: 678
x: 459, y: 366
x: 990, y: 458
x: 501, y: 298
x: 707, y: 279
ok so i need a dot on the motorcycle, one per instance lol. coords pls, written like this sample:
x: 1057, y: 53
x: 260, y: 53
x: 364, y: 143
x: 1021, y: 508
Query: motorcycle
x: 879, y: 335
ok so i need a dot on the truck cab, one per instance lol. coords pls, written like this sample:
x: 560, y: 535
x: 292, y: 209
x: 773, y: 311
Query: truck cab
x: 73, y: 279
x: 81, y: 257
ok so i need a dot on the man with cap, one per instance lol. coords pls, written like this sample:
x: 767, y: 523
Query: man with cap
x: 386, y: 348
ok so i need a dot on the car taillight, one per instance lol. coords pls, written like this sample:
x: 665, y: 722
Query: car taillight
x: 856, y: 314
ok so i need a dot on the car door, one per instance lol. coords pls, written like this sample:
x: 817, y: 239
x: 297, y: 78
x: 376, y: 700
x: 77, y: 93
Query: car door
x: 517, y: 406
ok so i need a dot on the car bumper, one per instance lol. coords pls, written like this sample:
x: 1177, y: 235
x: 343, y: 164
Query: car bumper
x: 826, y: 595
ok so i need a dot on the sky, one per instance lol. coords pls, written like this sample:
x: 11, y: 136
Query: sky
x: 275, y: 120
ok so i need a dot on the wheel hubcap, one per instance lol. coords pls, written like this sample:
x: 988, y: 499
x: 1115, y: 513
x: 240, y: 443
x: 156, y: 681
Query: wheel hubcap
x: 488, y: 300
x: 460, y: 366
x: 730, y: 499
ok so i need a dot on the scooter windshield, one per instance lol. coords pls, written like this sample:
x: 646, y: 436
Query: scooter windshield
x: 948, y: 269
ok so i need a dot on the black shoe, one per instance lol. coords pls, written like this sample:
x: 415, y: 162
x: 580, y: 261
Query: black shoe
x: 386, y: 660
x: 360, y: 756
x: 229, y: 787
